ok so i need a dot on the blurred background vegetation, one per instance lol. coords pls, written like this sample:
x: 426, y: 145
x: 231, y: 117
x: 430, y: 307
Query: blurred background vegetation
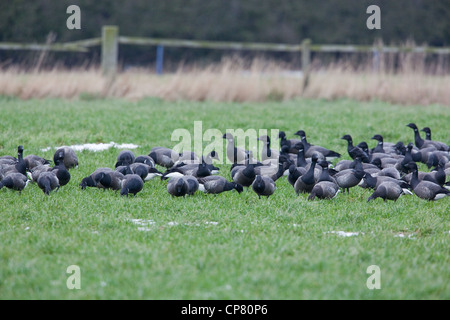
x: 278, y: 21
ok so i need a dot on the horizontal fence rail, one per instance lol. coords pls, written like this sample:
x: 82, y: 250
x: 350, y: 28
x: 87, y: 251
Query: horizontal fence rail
x: 111, y: 39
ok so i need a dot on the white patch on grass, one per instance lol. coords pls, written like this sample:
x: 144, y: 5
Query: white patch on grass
x: 405, y: 235
x: 95, y: 147
x: 145, y: 223
x: 144, y: 229
x: 345, y: 234
x: 142, y: 222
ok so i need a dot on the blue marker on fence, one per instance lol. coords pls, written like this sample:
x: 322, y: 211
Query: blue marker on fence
x: 159, y: 59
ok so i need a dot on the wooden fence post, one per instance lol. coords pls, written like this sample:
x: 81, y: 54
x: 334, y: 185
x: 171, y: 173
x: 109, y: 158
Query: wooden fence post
x: 110, y: 50
x: 306, y: 62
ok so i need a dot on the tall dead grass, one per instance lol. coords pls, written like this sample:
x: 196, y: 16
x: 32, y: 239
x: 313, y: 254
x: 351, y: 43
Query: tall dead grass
x: 236, y: 79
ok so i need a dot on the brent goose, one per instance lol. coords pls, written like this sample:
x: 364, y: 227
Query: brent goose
x: 349, y: 178
x: 353, y: 151
x: 218, y: 184
x: 131, y: 184
x: 48, y: 181
x: 14, y: 181
x: 420, y: 143
x: 426, y: 189
x: 326, y: 187
x: 235, y: 154
x: 387, y: 191
x: 263, y: 186
x: 311, y: 149
x: 305, y: 183
x: 70, y: 157
x: 125, y: 157
x: 164, y: 157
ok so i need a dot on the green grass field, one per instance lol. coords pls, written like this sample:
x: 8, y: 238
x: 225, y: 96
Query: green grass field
x: 203, y: 247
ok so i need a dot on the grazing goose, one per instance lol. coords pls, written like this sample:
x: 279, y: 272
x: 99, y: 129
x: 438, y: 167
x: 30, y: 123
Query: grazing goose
x: 33, y: 161
x: 301, y: 159
x: 268, y: 154
x: 192, y: 183
x: 188, y: 156
x: 438, y: 176
x: 295, y: 173
x: 124, y: 170
x: 145, y: 160
x: 60, y: 169
x: 103, y: 178
x: 273, y: 171
x: 371, y: 182
x: 353, y: 151
x: 343, y: 165
x: 145, y: 171
x: 284, y: 151
x: 210, y: 157
x: 390, y: 172
x: 182, y: 186
x: 177, y: 187
x: 131, y: 184
x: 14, y: 181
x: 263, y: 186
x: 196, y: 170
x: 311, y: 149
x: 301, y: 162
x: 425, y: 189
x: 90, y: 181
x: 70, y: 157
x: 36, y: 171
x: 235, y: 154
x: 349, y: 178
x: 290, y: 143
x: 324, y: 190
x: 218, y: 184
x: 305, y: 183
x: 164, y: 157
x: 125, y: 158
x: 48, y: 181
x: 8, y: 158
x: 404, y: 164
x: 208, y: 160
x: 7, y: 162
x: 434, y: 157
x: 109, y: 179
x: 326, y: 187
x: 388, y: 162
x: 20, y: 166
x: 325, y: 174
x: 244, y: 175
x: 421, y: 144
x: 387, y: 191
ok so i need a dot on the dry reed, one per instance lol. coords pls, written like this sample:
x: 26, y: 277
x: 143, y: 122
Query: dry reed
x: 235, y: 79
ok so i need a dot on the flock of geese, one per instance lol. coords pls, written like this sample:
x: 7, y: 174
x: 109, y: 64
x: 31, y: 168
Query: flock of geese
x: 389, y: 169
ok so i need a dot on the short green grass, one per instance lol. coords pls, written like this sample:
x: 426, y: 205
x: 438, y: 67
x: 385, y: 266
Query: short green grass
x: 228, y: 246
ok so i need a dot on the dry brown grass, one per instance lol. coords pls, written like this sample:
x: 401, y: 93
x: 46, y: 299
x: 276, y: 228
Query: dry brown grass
x: 235, y: 79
